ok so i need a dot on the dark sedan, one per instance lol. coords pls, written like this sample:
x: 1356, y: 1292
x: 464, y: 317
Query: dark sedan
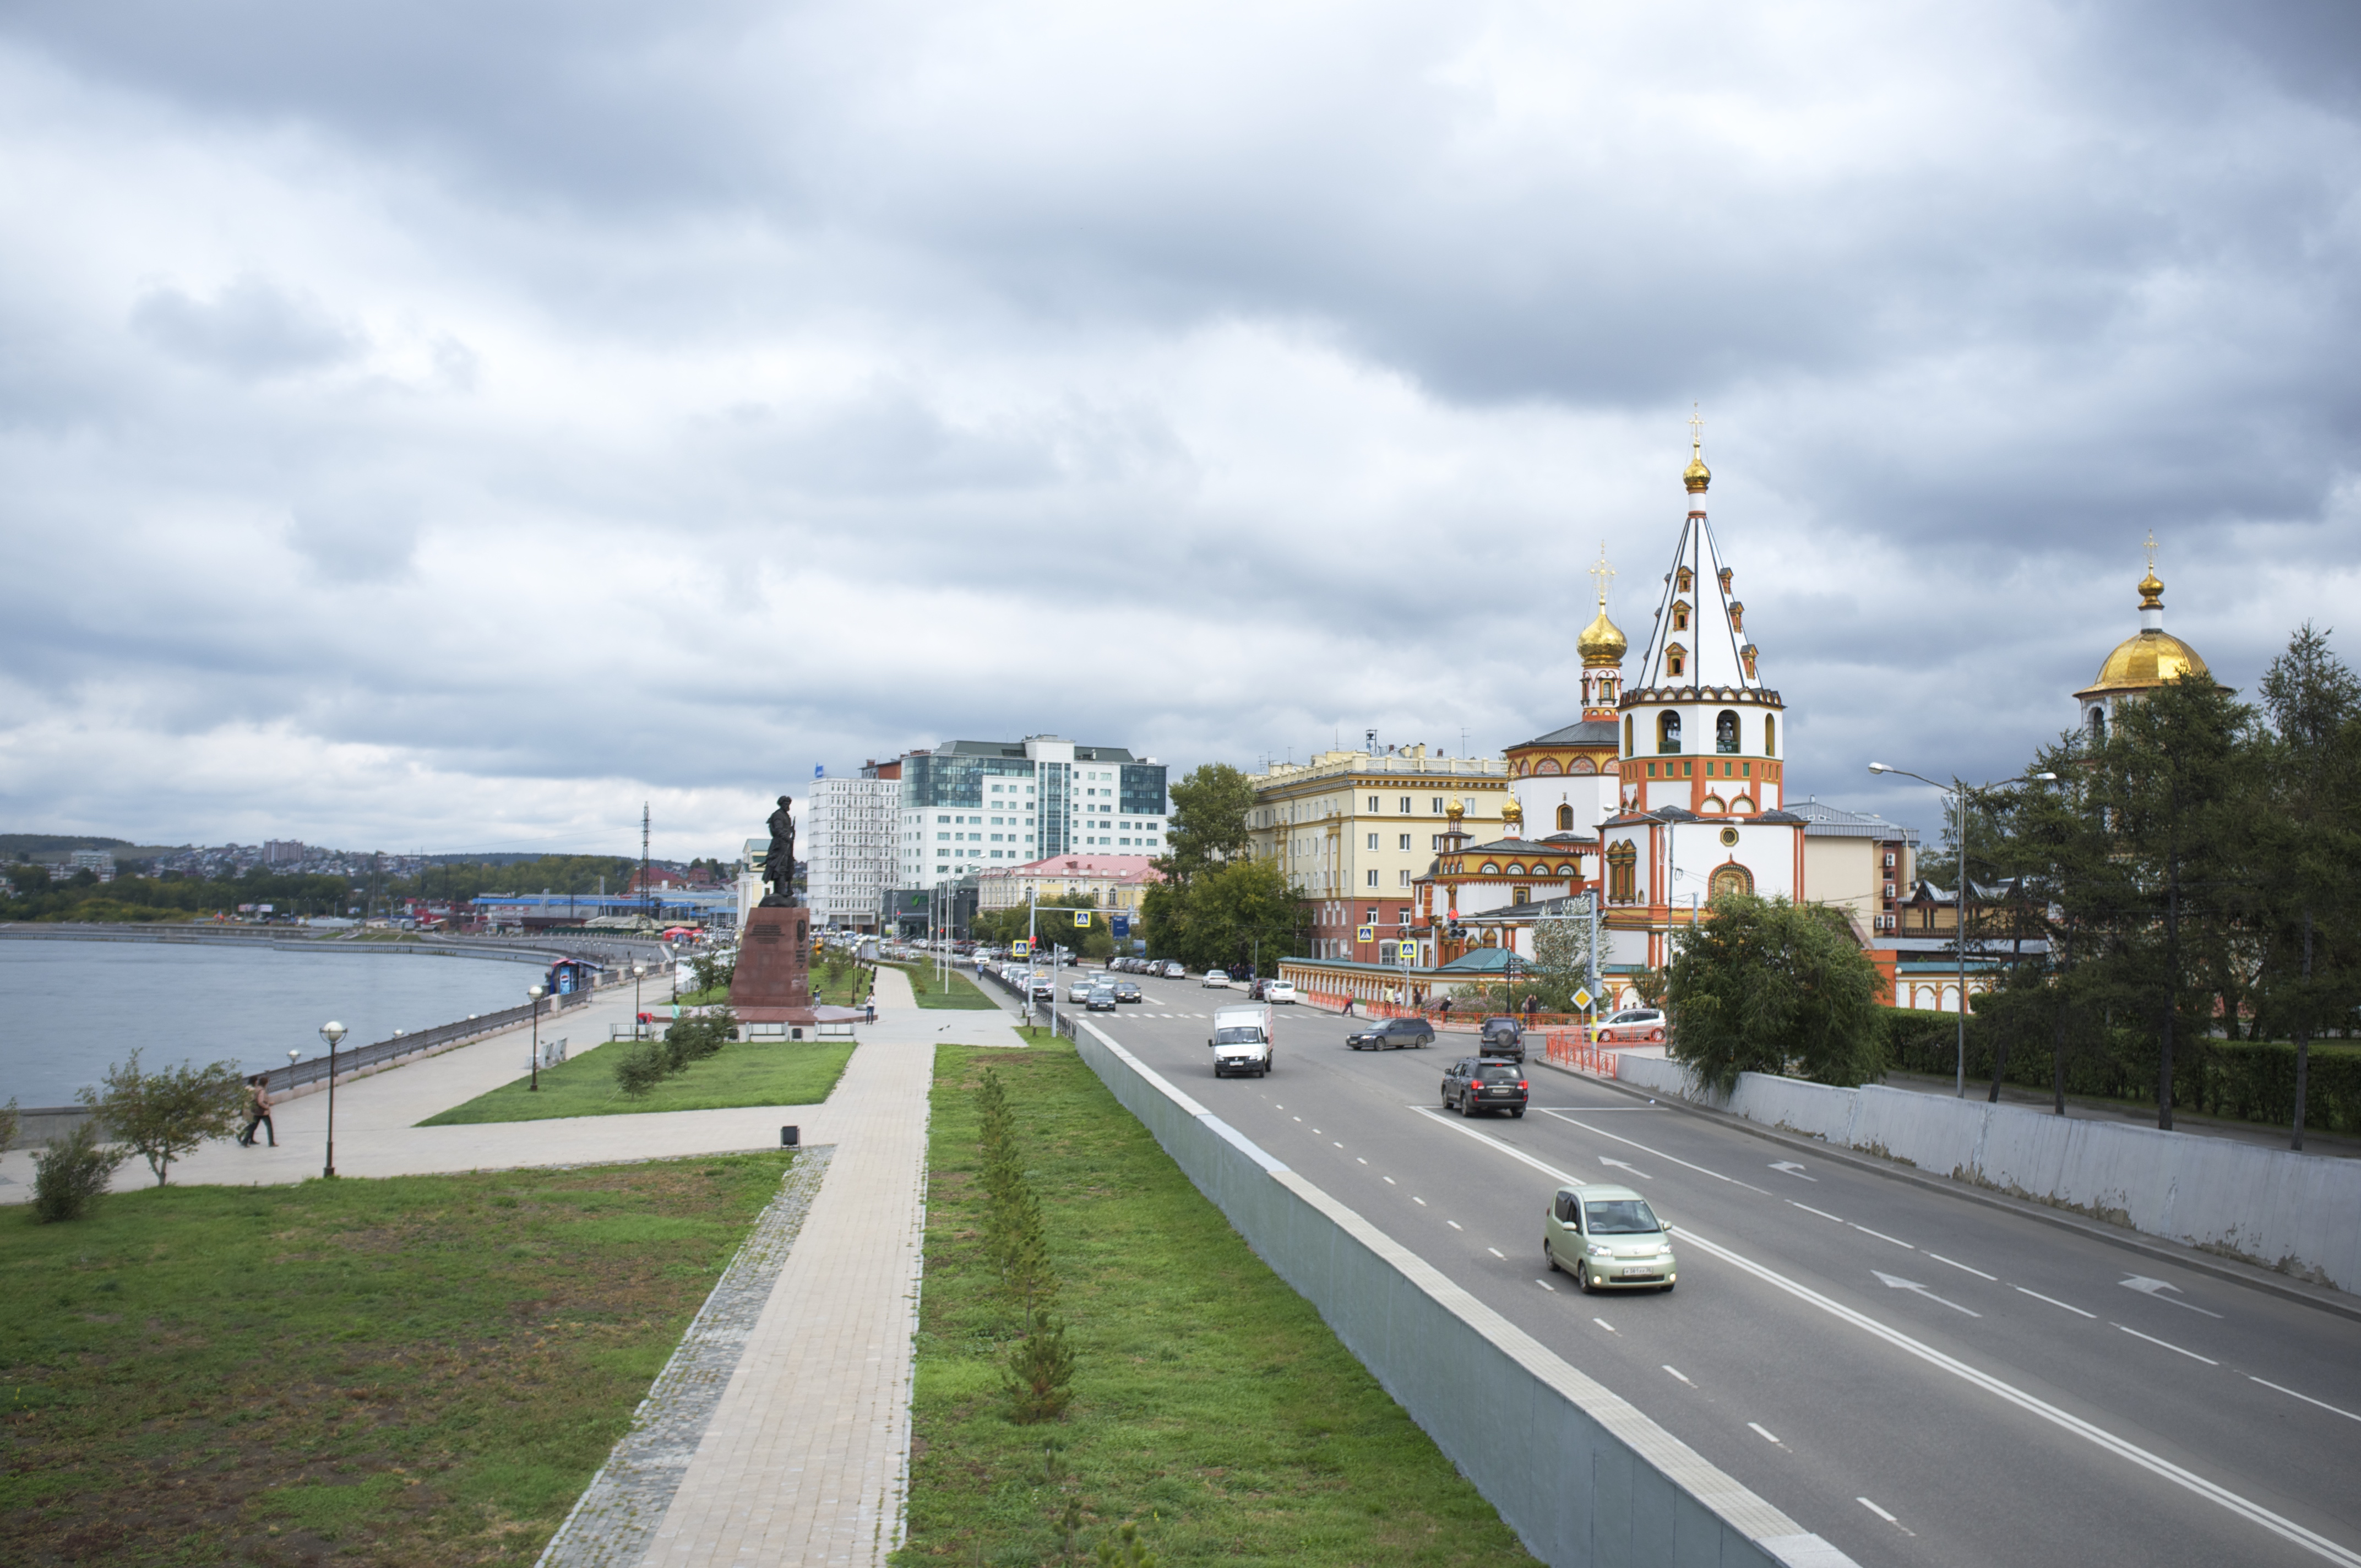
x: 1392, y: 1034
x: 1126, y: 991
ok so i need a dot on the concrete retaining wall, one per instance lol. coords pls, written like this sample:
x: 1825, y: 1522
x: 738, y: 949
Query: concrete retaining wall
x: 1581, y: 1475
x: 2299, y: 1214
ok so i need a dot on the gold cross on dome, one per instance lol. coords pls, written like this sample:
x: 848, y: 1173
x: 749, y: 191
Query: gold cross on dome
x: 2151, y: 551
x: 1696, y: 429
x: 1601, y: 574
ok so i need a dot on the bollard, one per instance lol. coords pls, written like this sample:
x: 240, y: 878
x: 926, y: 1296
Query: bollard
x: 790, y: 1137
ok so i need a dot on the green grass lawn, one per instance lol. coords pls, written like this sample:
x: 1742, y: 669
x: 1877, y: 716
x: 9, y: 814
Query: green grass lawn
x: 849, y: 990
x: 418, y: 1371
x: 932, y: 991
x: 774, y: 1072
x: 1211, y: 1403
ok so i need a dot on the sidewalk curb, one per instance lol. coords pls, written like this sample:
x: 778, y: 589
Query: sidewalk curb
x: 2187, y: 1258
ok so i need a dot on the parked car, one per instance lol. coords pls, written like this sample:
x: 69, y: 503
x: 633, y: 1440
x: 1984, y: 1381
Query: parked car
x: 1504, y: 1037
x: 1633, y: 1026
x: 1485, y: 1083
x: 1279, y: 991
x: 1099, y: 999
x: 1609, y: 1239
x: 1393, y: 1033
x: 1216, y: 977
x: 1126, y: 991
x: 1174, y: 969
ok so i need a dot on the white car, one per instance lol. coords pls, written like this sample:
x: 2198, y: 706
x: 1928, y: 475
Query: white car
x: 1633, y: 1026
x: 1078, y: 991
x: 1216, y: 977
x: 1172, y: 970
x: 1280, y: 990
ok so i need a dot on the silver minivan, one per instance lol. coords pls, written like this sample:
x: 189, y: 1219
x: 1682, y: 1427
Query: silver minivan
x: 1609, y: 1239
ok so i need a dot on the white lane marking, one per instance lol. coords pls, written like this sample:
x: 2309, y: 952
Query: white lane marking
x: 1880, y: 1235
x: 1792, y: 1168
x: 2000, y: 1388
x: 1978, y: 1273
x: 2307, y: 1400
x: 1496, y: 1252
x: 1603, y: 1323
x: 1513, y: 1153
x: 1334, y: 1141
x: 1546, y: 1286
x: 1622, y: 1166
x: 1391, y: 1183
x: 1318, y: 1134
x: 1807, y: 1209
x: 2051, y: 1299
x: 1889, y: 1519
x: 1455, y: 1224
x: 1417, y: 1200
x: 2168, y: 1346
x: 2153, y: 1289
x: 1645, y: 1149
x: 1765, y: 1432
x: 1362, y: 1158
x: 1298, y: 1118
x: 1679, y: 1373
x: 1896, y: 1282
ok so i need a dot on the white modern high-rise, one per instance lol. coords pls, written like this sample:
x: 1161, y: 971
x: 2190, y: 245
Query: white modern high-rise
x: 848, y: 848
x: 969, y: 804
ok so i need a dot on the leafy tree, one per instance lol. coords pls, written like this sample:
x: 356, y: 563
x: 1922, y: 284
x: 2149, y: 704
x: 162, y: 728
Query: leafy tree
x: 1241, y: 912
x: 163, y: 1115
x: 2310, y: 848
x: 1772, y: 987
x: 1210, y: 811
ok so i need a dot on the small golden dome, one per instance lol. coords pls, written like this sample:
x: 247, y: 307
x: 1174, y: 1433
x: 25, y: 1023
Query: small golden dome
x: 1696, y: 475
x: 1454, y: 810
x: 2151, y: 589
x: 1602, y: 643
x: 2144, y: 661
x: 1512, y: 812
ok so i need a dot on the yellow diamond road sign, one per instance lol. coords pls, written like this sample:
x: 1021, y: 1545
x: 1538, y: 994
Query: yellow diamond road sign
x: 1581, y: 1000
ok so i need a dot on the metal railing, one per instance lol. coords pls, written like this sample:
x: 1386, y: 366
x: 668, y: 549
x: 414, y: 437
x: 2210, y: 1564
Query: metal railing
x: 315, y: 1069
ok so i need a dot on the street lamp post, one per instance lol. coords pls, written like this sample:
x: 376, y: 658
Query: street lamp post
x: 533, y: 998
x: 638, y: 970
x: 1959, y: 793
x: 331, y: 1032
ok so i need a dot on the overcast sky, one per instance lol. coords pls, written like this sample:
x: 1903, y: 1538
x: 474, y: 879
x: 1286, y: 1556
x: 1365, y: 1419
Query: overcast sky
x: 447, y: 426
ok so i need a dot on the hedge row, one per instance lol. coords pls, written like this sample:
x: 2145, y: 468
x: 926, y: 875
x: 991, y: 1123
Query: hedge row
x: 2250, y: 1080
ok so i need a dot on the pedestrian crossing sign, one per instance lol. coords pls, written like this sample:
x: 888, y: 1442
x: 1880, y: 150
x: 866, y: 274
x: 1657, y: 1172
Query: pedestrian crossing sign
x: 1082, y: 918
x: 1020, y: 948
x: 1368, y: 933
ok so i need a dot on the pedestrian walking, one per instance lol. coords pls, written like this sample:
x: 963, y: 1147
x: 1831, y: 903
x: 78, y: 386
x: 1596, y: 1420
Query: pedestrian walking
x: 258, y: 1088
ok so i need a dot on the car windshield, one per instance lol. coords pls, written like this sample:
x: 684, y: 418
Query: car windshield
x: 1237, y: 1035
x: 1502, y: 1075
x: 1621, y: 1217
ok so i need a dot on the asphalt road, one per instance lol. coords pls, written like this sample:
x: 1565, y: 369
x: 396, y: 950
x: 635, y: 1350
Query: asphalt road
x: 1918, y: 1378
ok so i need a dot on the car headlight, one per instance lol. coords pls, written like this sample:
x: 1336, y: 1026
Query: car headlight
x: 1598, y: 1251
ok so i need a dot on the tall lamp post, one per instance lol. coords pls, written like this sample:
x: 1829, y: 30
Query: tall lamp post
x: 1959, y: 793
x: 638, y: 973
x: 331, y: 1032
x: 533, y: 999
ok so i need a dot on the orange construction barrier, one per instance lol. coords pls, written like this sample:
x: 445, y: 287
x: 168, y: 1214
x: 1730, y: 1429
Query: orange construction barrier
x: 1575, y: 1049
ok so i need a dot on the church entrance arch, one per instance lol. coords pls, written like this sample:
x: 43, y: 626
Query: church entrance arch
x: 1730, y: 878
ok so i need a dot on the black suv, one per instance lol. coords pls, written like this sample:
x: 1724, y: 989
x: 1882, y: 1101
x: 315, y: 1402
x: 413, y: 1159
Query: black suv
x: 1485, y: 1083
x: 1504, y: 1038
x: 1392, y: 1034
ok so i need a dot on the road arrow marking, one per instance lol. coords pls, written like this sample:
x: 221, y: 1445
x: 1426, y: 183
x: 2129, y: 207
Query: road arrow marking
x: 2153, y: 1289
x: 1896, y: 1282
x: 1792, y: 1168
x: 1622, y: 1166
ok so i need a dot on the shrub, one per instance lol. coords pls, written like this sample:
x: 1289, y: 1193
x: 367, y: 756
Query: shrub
x: 9, y: 1126
x: 163, y: 1115
x: 1041, y: 1367
x: 72, y: 1172
x: 1764, y: 986
x: 641, y: 1067
x: 1041, y: 1373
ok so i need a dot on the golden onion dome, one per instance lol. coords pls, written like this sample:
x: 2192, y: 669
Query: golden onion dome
x: 1602, y: 643
x: 2151, y: 589
x: 2144, y: 661
x: 1696, y: 475
x: 1511, y: 811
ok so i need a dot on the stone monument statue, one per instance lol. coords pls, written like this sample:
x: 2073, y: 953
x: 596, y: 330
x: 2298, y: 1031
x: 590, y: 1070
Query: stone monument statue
x: 779, y: 860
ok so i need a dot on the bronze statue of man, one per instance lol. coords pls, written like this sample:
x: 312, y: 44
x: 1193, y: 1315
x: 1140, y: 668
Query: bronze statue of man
x: 779, y: 860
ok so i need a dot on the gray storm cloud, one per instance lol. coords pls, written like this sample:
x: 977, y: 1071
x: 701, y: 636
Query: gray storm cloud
x: 792, y: 385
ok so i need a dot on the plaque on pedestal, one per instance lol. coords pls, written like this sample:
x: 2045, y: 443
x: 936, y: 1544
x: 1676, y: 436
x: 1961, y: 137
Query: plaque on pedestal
x: 772, y: 984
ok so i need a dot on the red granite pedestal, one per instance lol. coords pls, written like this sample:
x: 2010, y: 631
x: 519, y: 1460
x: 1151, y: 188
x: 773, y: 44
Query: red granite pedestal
x: 772, y: 984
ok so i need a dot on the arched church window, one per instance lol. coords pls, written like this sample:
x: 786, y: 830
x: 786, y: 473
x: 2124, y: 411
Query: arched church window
x: 1725, y: 732
x: 1712, y: 806
x: 1491, y: 867
x: 1687, y: 580
x: 1583, y: 765
x: 1737, y: 615
x: 1680, y: 615
x: 1742, y: 806
x: 1565, y: 820
x: 2098, y: 725
x: 1769, y: 734
x: 1627, y: 735
x: 1676, y: 660
x: 1728, y: 879
x: 1566, y: 870
x: 1622, y: 860
x: 1668, y: 732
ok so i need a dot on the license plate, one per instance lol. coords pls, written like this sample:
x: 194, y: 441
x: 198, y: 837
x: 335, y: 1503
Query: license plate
x: 1643, y: 1268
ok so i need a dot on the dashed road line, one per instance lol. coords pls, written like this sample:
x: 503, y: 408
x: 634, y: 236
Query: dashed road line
x: 1823, y: 1213
x: 1603, y: 1323
x: 1679, y: 1373
x: 1880, y: 1235
x: 1978, y: 1273
x: 2052, y: 1300
x: 2307, y: 1398
x: 2170, y: 1346
x: 1763, y: 1431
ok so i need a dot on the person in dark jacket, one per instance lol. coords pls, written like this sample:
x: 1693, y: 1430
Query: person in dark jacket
x: 258, y: 1090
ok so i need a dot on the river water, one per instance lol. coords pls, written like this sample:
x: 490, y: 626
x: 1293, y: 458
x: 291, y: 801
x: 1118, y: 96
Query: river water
x: 68, y: 1009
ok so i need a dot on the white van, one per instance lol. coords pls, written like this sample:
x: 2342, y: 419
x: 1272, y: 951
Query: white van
x: 1241, y: 1041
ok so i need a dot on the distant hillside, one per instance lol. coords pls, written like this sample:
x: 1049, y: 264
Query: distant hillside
x: 15, y: 844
